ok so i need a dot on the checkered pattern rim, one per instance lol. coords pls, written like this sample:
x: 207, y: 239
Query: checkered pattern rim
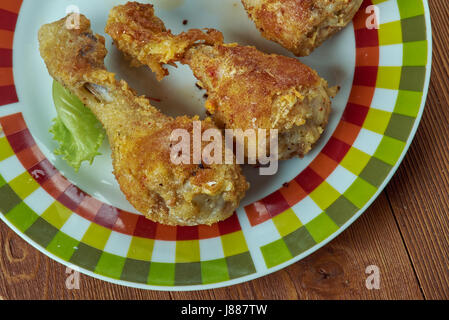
x: 24, y: 147
x: 78, y: 228
x: 36, y: 206
x: 367, y: 143
x: 9, y: 11
x: 121, y: 245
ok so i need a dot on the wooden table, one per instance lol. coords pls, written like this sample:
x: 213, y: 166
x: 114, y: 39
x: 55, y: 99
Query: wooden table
x: 405, y: 232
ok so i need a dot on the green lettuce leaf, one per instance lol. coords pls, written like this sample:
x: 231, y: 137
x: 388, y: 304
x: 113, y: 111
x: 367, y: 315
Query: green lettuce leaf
x: 76, y: 128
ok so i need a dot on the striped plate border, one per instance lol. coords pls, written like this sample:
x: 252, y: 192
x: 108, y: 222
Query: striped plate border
x: 104, y: 241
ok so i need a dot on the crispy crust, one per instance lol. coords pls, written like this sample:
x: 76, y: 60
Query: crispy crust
x: 140, y: 136
x: 247, y: 88
x: 144, y: 39
x: 250, y: 90
x: 301, y: 25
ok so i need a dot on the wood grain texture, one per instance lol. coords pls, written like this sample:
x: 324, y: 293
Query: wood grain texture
x: 405, y: 232
x: 335, y: 272
x: 419, y: 192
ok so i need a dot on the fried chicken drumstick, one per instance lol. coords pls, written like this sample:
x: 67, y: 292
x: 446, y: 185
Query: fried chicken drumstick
x: 140, y: 135
x: 247, y: 89
x: 301, y: 25
x: 145, y: 40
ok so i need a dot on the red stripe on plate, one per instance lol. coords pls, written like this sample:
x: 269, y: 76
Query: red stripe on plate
x: 309, y: 180
x: 145, y: 228
x: 275, y: 204
x: 8, y: 20
x: 230, y: 225
x: 107, y: 216
x: 43, y: 171
x: 355, y: 114
x: 365, y: 76
x: 366, y: 38
x: 72, y: 197
x: 336, y: 149
x: 5, y: 58
x: 8, y: 95
x: 21, y: 140
x: 187, y: 233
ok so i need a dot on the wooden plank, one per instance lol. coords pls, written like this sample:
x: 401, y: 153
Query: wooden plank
x: 419, y: 192
x: 25, y: 273
x: 337, y: 271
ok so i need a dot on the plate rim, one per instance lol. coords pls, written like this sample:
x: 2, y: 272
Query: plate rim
x: 314, y: 248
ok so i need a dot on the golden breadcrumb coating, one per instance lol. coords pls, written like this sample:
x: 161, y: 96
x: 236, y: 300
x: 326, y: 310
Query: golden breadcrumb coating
x: 140, y: 136
x: 247, y: 89
x: 144, y: 39
x: 301, y: 25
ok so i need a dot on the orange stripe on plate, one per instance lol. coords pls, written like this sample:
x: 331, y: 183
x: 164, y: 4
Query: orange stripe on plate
x: 361, y: 18
x: 56, y: 185
x: 13, y: 123
x: 362, y: 95
x: 126, y: 223
x: 257, y: 213
x: 6, y: 39
x: 323, y: 165
x: 367, y: 56
x: 346, y: 132
x: 89, y: 207
x: 30, y: 156
x: 6, y: 77
x: 11, y: 5
x: 206, y: 232
x: 293, y: 193
x: 166, y: 233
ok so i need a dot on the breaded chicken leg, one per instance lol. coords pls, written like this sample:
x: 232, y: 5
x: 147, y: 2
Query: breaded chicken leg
x: 247, y: 89
x: 140, y: 136
x: 301, y: 25
x: 145, y: 40
x: 250, y: 90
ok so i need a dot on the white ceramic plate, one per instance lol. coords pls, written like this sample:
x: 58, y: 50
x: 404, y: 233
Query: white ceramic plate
x: 384, y: 76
